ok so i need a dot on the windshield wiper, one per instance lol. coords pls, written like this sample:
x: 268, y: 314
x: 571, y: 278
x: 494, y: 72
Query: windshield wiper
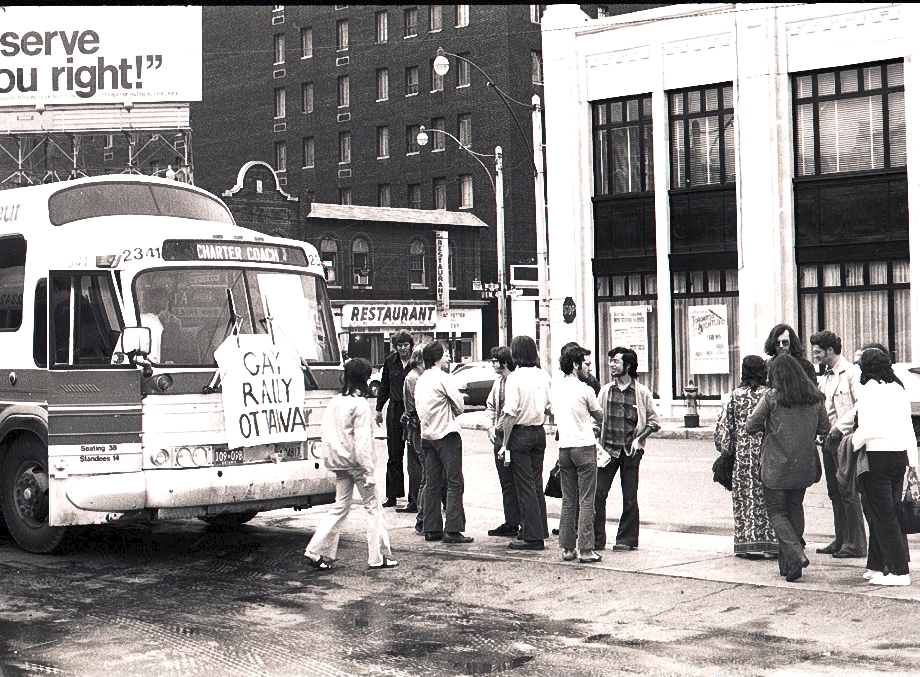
x: 232, y: 328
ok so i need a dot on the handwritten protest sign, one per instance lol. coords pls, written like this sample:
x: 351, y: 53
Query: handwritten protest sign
x: 262, y: 391
x: 99, y: 54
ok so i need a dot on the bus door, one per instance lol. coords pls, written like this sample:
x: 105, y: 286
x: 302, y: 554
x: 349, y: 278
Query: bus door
x: 94, y: 406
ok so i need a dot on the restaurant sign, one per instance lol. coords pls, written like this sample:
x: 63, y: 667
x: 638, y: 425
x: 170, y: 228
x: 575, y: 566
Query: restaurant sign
x: 389, y: 315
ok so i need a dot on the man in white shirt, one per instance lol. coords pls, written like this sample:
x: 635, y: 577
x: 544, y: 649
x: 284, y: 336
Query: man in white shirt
x: 839, y: 383
x: 438, y: 403
x: 574, y: 406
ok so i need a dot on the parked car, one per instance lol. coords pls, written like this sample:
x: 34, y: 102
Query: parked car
x: 474, y: 381
x: 374, y: 383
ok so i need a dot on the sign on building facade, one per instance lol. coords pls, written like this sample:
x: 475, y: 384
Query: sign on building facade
x: 629, y: 328
x: 708, y: 328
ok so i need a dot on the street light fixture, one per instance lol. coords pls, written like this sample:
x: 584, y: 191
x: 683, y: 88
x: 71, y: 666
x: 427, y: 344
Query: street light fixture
x: 441, y: 67
x: 498, y: 187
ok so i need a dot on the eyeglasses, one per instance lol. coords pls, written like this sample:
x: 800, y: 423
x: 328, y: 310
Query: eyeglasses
x: 783, y: 342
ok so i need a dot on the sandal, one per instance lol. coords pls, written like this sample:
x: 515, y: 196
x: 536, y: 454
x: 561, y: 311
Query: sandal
x: 569, y: 555
x: 385, y: 564
x: 319, y: 564
x: 590, y: 560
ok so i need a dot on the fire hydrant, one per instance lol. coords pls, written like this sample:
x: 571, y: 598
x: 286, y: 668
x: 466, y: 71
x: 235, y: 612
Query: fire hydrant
x: 692, y: 417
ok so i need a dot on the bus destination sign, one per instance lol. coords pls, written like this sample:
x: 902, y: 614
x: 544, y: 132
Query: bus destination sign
x: 232, y: 250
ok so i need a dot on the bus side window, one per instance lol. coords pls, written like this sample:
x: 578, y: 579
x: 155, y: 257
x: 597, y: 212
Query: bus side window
x: 12, y: 281
x: 40, y: 331
x: 85, y: 319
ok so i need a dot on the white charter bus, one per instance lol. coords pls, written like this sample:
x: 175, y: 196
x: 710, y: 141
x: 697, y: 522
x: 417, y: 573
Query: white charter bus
x: 115, y: 294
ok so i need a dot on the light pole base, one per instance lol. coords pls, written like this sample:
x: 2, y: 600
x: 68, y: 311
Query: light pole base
x: 691, y: 420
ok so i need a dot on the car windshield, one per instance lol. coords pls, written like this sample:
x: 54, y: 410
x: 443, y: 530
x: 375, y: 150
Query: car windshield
x: 188, y: 312
x: 120, y: 199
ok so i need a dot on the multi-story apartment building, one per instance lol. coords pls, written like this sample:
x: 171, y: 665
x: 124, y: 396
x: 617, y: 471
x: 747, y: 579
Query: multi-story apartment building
x: 333, y: 97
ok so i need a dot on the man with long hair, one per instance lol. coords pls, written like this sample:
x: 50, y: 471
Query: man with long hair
x: 395, y: 369
x: 784, y: 341
x: 503, y: 366
x: 629, y: 418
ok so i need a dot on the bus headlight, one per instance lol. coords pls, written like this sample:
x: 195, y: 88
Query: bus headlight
x: 159, y: 458
x: 184, y: 458
x: 316, y: 449
x: 200, y: 456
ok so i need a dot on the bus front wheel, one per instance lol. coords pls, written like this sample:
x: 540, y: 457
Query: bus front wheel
x: 229, y: 519
x: 24, y: 497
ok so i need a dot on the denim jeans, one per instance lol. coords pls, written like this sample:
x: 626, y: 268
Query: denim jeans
x: 628, y: 529
x: 787, y: 515
x: 883, y: 487
x: 527, y: 444
x: 506, y: 481
x: 325, y: 541
x: 578, y: 472
x: 444, y: 463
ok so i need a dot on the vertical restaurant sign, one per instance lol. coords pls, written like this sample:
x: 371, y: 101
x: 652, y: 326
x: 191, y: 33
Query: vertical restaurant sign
x: 262, y: 390
x: 708, y: 344
x: 442, y: 287
x: 88, y: 54
x: 629, y: 328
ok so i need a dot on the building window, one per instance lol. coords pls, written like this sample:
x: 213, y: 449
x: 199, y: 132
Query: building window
x: 410, y: 22
x: 702, y: 136
x: 414, y: 196
x: 465, y: 129
x: 341, y: 35
x: 462, y: 15
x: 383, y: 195
x: 712, y: 287
x: 344, y: 148
x: 279, y: 48
x: 536, y: 67
x: 280, y: 102
x: 361, y: 262
x: 439, y: 189
x: 613, y: 292
x: 437, y: 140
x: 417, y: 265
x: 466, y: 191
x: 434, y: 18
x: 602, y: 11
x: 382, y: 28
x: 412, y: 132
x: 463, y: 72
x: 344, y: 83
x: 850, y: 119
x: 345, y: 195
x: 308, y: 145
x: 277, y: 8
x: 623, y: 146
x: 383, y: 142
x: 383, y: 84
x: 329, y: 254
x: 280, y: 156
x: 874, y: 295
x: 536, y: 11
x: 306, y: 97
x: 306, y: 43
x: 411, y: 80
x: 437, y: 80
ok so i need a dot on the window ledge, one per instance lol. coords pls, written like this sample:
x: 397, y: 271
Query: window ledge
x: 412, y: 94
x: 306, y: 57
x: 383, y: 157
x: 437, y: 150
x: 462, y: 86
x: 414, y: 152
x: 418, y: 286
x: 386, y: 99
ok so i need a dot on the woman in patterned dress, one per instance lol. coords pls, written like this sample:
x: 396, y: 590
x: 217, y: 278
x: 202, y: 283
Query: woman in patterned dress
x: 754, y: 537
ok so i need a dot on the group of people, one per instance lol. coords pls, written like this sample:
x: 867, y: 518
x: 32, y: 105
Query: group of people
x: 785, y: 422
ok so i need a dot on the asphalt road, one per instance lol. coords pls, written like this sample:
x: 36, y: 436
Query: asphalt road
x: 182, y: 598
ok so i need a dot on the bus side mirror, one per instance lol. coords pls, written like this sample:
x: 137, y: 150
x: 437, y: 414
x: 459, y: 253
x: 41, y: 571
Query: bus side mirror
x: 136, y: 341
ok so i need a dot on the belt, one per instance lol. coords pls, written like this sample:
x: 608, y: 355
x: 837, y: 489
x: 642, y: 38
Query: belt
x: 528, y: 427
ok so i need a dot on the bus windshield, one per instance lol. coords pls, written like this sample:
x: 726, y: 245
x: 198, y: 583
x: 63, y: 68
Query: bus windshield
x: 188, y: 311
x: 118, y: 199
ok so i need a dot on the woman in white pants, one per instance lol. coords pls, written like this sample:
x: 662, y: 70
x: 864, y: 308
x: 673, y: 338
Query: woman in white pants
x: 348, y: 451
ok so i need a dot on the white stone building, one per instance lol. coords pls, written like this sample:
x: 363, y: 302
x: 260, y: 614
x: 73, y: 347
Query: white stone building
x: 714, y: 170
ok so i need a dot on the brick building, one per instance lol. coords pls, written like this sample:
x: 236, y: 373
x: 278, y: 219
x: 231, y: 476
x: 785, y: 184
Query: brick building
x: 333, y: 97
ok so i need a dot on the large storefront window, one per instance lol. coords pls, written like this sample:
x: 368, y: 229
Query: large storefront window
x: 623, y: 146
x: 860, y: 301
x: 705, y: 318
x: 627, y: 316
x: 850, y: 119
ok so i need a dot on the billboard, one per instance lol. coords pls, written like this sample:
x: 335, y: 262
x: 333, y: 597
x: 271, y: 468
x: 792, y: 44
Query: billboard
x: 98, y: 55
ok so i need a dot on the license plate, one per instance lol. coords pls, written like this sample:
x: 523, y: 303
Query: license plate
x: 228, y: 456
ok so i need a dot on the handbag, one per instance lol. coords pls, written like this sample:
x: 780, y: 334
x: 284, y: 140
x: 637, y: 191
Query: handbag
x: 908, y: 510
x: 724, y: 465
x: 722, y: 469
x: 553, y: 487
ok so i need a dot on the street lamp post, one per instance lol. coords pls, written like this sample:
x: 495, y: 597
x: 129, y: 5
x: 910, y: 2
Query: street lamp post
x: 499, y: 190
x: 441, y: 66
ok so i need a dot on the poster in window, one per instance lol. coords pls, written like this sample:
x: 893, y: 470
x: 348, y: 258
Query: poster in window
x: 629, y: 328
x: 708, y: 344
